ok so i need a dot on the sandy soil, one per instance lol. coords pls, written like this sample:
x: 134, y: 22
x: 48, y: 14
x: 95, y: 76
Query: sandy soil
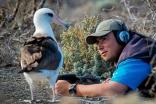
x: 15, y: 90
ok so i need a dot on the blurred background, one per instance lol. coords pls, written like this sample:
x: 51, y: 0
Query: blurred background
x: 83, y: 15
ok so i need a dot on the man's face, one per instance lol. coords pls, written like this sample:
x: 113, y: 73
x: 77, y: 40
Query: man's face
x: 108, y: 47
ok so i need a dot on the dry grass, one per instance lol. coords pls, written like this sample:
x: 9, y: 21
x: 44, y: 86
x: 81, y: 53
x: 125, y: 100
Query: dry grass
x: 128, y: 99
x: 69, y: 100
x: 132, y: 99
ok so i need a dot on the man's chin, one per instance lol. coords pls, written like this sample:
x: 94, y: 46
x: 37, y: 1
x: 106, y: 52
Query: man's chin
x: 107, y: 59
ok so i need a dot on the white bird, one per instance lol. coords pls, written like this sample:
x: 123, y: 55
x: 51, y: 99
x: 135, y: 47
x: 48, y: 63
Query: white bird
x: 41, y: 55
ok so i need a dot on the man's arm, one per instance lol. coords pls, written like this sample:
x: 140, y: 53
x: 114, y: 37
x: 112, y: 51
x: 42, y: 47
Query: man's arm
x: 107, y: 88
x: 104, y: 89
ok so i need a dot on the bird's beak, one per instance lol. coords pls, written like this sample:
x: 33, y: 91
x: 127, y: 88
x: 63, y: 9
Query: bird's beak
x: 59, y: 21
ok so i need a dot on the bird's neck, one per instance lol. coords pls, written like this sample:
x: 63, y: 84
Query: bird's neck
x: 44, y: 28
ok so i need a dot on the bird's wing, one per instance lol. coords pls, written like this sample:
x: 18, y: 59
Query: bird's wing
x: 51, y: 55
x: 31, y: 40
x: 40, y: 54
x: 30, y: 54
x: 50, y: 44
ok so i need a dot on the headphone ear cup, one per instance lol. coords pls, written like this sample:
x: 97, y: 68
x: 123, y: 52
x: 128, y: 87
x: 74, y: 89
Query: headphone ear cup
x: 123, y: 37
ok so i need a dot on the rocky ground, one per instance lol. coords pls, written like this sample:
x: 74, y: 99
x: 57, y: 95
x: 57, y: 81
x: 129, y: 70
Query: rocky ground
x: 15, y: 90
x: 13, y: 86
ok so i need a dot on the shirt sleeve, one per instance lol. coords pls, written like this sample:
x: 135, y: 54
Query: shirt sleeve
x: 131, y: 73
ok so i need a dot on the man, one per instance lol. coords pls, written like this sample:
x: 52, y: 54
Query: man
x: 130, y: 52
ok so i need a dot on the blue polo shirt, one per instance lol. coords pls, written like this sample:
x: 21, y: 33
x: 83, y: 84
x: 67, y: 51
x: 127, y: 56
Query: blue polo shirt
x: 131, y: 72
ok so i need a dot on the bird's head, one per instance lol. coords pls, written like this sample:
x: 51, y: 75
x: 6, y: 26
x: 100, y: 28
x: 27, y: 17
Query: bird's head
x: 46, y: 15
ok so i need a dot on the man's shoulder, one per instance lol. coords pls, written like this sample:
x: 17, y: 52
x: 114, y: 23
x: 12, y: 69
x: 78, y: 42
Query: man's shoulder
x: 131, y: 72
x: 133, y: 61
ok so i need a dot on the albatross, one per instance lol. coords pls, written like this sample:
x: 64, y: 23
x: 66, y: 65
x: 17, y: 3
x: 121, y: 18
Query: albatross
x: 41, y: 56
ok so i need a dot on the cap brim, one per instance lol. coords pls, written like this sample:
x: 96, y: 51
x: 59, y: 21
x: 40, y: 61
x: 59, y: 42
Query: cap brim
x: 91, y: 39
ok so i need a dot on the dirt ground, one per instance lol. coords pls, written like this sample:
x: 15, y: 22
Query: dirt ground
x: 15, y: 90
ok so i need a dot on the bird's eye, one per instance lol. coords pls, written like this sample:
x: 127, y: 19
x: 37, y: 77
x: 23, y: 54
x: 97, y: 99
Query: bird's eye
x: 50, y: 14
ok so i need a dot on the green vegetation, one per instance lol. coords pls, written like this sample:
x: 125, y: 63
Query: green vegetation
x: 79, y: 57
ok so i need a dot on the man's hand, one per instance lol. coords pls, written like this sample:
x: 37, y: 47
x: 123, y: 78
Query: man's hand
x: 62, y: 87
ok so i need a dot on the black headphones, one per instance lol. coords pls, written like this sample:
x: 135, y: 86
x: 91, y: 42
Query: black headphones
x: 122, y: 36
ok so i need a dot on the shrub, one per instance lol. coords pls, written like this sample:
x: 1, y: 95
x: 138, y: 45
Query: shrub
x: 79, y: 57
